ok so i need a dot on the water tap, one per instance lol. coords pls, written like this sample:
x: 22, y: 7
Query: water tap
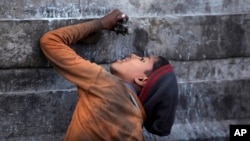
x: 121, y: 27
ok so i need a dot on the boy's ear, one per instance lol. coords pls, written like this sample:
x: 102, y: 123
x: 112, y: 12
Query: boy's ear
x: 141, y: 81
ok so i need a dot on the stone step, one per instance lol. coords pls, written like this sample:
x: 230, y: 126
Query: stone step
x: 40, y: 79
x: 47, y: 112
x: 206, y: 41
x: 32, y: 80
x: 213, y: 100
x: 45, y: 137
x: 212, y: 70
x: 230, y: 96
x: 175, y: 37
x: 201, y: 131
x: 23, y: 9
x: 212, y: 131
x: 34, y: 114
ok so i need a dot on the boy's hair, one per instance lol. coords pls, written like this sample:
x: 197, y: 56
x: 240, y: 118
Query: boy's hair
x: 159, y: 63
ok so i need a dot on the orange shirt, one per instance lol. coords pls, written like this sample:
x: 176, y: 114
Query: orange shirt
x: 104, y: 110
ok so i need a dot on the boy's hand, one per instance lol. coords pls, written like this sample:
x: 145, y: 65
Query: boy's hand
x: 109, y: 21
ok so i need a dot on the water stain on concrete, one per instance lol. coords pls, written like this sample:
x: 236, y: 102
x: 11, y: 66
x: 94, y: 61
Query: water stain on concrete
x: 141, y: 40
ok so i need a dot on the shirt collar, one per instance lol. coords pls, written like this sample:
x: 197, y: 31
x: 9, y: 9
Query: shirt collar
x: 131, y: 87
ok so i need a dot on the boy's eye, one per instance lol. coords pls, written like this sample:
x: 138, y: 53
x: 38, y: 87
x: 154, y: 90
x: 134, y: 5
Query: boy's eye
x: 142, y: 59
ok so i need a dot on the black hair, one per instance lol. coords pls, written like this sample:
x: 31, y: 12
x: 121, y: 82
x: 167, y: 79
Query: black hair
x: 159, y: 63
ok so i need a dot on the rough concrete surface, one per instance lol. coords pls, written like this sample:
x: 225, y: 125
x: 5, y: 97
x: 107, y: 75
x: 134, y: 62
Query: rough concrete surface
x: 35, y: 113
x: 207, y: 42
x: 178, y: 38
x: 25, y: 9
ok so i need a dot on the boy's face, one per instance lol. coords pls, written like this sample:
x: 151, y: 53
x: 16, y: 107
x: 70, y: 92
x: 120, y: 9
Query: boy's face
x: 132, y: 67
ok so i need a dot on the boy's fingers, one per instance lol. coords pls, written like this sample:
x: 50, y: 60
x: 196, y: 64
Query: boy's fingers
x: 122, y: 16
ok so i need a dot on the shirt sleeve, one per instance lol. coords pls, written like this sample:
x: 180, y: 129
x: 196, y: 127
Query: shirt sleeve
x: 55, y: 46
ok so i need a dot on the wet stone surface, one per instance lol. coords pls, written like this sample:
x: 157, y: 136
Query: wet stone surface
x: 180, y: 38
x: 22, y: 9
x: 206, y: 41
x: 29, y: 114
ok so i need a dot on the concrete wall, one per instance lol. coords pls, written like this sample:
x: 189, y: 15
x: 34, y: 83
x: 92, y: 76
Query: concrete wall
x: 207, y: 41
